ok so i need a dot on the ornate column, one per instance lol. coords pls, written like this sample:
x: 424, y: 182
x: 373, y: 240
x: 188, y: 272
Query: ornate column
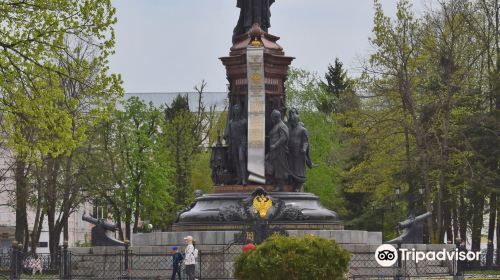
x: 257, y: 70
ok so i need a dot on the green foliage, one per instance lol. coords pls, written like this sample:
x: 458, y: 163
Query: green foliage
x: 340, y: 96
x: 54, y: 88
x: 183, y: 147
x: 179, y: 105
x: 305, y: 92
x: 54, y: 63
x: 324, y: 179
x: 186, y: 133
x: 220, y: 121
x: 34, y: 34
x: 427, y: 120
x: 36, y: 131
x: 201, y: 176
x: 133, y: 173
x: 291, y: 258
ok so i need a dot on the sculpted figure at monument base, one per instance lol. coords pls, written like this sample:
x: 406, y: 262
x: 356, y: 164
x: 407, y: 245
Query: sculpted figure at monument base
x: 298, y: 145
x: 277, y: 158
x: 236, y: 138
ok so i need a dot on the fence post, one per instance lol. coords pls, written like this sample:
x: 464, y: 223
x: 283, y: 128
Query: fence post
x: 13, y: 261
x: 19, y: 260
x: 65, y: 261
x: 126, y: 257
x: 200, y: 263
x: 401, y: 271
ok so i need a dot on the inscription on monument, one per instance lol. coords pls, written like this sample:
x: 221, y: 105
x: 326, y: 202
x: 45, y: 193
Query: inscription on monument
x: 256, y: 115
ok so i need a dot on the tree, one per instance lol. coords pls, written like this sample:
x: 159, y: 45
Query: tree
x: 132, y: 172
x: 46, y: 138
x: 34, y: 33
x: 487, y: 26
x: 340, y: 96
x: 33, y: 43
x: 305, y: 92
x: 425, y: 121
x: 391, y: 118
x: 186, y: 133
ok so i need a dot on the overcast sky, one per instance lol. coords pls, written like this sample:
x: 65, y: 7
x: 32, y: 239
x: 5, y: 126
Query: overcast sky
x: 171, y: 45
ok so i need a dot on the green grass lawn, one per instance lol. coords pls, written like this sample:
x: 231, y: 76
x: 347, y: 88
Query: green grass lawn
x: 40, y: 276
x: 483, y: 272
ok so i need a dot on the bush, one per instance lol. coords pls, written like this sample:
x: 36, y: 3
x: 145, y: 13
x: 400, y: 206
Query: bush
x: 291, y: 258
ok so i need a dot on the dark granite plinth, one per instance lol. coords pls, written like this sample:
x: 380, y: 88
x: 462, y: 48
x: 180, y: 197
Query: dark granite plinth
x: 232, y: 211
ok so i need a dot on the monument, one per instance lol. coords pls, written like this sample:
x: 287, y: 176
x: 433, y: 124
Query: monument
x: 263, y: 157
x: 299, y: 149
x: 253, y: 11
x: 412, y: 230
x: 102, y: 232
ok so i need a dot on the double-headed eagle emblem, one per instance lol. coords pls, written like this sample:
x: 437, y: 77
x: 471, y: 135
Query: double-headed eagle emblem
x: 261, y: 204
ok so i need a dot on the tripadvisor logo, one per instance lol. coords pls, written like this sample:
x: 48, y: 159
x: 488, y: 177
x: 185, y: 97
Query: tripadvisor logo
x: 386, y: 255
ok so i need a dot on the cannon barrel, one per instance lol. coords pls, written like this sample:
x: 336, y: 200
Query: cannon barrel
x: 408, y: 223
x: 108, y: 226
x: 90, y: 219
x: 94, y: 221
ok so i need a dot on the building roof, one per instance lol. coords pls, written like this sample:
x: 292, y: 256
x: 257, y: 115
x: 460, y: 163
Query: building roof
x: 217, y: 99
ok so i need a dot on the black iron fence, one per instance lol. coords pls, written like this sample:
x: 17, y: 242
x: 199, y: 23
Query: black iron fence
x: 364, y: 266
x: 127, y: 264
x: 16, y: 263
x: 122, y: 264
x: 219, y: 264
x: 487, y: 262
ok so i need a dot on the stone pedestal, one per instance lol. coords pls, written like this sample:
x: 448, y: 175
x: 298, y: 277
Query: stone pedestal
x: 218, y: 239
x: 233, y: 211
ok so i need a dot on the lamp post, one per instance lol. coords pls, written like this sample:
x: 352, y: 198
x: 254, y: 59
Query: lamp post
x: 421, y: 198
x: 413, y: 199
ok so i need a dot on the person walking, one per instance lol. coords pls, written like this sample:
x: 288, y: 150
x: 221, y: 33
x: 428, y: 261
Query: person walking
x: 177, y: 263
x: 190, y: 257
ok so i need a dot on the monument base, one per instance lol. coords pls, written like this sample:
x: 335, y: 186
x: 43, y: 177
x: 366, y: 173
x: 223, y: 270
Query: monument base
x: 234, y: 212
x: 213, y: 239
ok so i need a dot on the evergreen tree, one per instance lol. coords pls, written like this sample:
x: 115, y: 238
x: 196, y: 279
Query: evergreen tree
x: 339, y: 91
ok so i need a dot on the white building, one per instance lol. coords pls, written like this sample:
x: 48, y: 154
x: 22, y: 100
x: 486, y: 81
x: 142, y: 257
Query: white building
x: 217, y: 99
x: 79, y: 231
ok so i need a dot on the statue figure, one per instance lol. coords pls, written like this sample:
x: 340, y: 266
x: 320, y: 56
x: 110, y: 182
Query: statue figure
x: 276, y: 159
x: 236, y: 138
x: 253, y: 11
x: 412, y: 230
x: 298, y: 145
x: 218, y: 161
x: 101, y: 235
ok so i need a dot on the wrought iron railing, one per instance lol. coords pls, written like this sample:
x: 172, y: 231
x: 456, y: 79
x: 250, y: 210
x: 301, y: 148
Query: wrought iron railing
x: 211, y: 264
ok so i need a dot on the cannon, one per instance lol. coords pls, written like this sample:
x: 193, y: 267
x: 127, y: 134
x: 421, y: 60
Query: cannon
x: 101, y: 232
x: 411, y: 230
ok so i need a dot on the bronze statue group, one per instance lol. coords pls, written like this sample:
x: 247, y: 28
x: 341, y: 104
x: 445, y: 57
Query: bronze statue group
x: 288, y: 153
